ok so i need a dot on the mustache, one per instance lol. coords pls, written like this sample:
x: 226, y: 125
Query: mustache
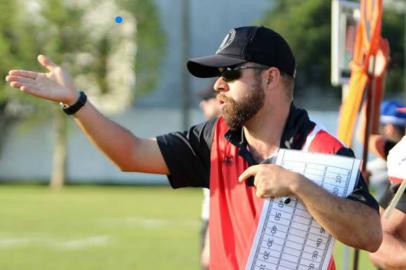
x: 224, y: 98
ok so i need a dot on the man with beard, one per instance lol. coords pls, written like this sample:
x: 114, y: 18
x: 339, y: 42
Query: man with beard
x: 255, y: 69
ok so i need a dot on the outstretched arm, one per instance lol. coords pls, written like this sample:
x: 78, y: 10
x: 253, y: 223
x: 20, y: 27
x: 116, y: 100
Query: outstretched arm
x: 127, y: 151
x: 350, y: 222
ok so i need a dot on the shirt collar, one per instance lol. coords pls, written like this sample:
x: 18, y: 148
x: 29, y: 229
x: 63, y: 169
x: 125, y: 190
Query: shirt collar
x: 297, y: 127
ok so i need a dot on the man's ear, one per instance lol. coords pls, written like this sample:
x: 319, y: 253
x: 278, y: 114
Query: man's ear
x: 273, y: 76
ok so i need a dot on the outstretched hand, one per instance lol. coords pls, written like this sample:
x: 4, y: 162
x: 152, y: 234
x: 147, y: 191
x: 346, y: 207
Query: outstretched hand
x: 56, y: 85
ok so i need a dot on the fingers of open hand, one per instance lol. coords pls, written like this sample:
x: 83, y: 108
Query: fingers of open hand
x: 46, y: 62
x: 23, y: 73
x: 25, y: 83
x: 26, y: 87
x: 19, y: 79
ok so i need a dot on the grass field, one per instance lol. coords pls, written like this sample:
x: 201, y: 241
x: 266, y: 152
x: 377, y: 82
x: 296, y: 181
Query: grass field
x: 91, y: 227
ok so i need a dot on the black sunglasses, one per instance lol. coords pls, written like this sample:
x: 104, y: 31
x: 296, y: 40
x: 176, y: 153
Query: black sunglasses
x: 231, y: 74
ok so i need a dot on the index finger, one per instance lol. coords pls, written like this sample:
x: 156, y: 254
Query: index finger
x: 23, y: 73
x: 250, y: 171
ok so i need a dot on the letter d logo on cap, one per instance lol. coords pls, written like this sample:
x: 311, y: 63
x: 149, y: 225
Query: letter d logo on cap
x: 227, y: 40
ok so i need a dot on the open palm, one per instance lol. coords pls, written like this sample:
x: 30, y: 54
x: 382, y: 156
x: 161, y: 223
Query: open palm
x: 56, y: 85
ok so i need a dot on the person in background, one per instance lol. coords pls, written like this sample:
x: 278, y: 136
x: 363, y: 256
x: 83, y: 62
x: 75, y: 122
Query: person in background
x: 255, y: 70
x: 392, y: 252
x: 392, y: 125
x: 211, y: 109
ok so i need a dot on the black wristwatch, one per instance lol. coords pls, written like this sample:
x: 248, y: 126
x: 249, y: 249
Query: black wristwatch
x: 76, y: 106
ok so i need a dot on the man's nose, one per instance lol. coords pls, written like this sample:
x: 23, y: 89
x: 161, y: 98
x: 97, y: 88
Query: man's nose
x: 221, y: 85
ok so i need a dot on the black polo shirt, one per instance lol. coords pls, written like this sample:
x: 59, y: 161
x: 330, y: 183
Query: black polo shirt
x: 187, y: 154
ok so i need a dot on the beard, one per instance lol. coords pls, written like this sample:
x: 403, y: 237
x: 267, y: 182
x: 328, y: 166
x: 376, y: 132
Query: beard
x: 237, y: 113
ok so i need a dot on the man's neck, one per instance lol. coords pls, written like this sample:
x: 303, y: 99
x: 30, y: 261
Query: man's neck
x: 264, y: 132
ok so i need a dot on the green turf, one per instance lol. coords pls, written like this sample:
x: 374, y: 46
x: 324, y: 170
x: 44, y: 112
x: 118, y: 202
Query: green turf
x: 81, y: 227
x: 98, y: 228
x: 364, y: 262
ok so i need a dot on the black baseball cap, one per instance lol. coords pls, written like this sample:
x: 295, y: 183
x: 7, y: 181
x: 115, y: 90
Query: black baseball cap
x: 256, y: 44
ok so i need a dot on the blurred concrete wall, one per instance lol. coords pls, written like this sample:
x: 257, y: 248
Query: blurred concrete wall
x: 27, y: 154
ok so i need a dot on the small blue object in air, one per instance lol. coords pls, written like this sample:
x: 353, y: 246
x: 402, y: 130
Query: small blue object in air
x: 119, y: 19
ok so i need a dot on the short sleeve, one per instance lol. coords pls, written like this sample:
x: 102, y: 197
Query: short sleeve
x: 187, y: 155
